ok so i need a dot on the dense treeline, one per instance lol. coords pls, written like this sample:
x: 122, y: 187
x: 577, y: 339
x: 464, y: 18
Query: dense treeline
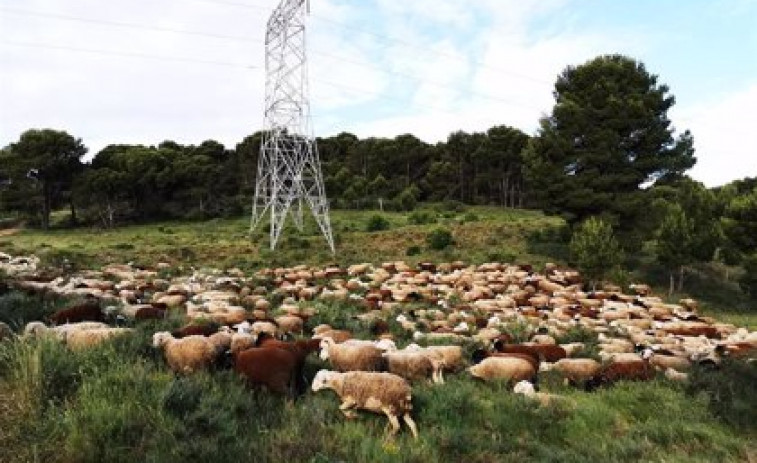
x: 125, y: 183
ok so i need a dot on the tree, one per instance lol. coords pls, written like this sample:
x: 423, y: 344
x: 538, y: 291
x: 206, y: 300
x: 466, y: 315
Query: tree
x: 594, y: 249
x: 675, y: 238
x: 51, y: 160
x: 740, y: 224
x: 608, y: 135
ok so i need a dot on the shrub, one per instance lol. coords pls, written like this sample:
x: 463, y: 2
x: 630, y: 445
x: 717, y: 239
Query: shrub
x: 451, y: 205
x: 413, y: 251
x: 594, y: 249
x: 731, y: 390
x: 421, y: 218
x: 405, y: 201
x: 377, y: 223
x: 470, y: 217
x: 748, y: 281
x: 439, y: 239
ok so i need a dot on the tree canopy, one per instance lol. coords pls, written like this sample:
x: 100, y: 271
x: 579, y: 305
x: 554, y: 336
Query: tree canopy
x: 608, y: 135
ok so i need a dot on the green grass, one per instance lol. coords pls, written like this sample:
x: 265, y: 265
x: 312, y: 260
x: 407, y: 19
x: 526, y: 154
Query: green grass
x: 224, y: 242
x: 114, y: 403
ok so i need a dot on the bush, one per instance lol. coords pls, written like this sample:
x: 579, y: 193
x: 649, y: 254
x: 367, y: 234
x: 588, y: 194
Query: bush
x: 439, y: 239
x: 377, y: 223
x: 470, y: 217
x: 748, y: 282
x: 731, y: 390
x: 413, y: 251
x: 451, y: 205
x: 406, y: 200
x: 421, y: 218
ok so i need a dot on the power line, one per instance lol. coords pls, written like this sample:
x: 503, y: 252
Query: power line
x: 389, y: 40
x: 126, y: 54
x: 125, y: 25
x: 236, y: 38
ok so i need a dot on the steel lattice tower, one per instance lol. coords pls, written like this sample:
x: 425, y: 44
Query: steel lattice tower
x: 289, y: 169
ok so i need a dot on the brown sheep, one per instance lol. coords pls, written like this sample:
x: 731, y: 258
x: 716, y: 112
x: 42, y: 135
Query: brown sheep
x: 273, y: 368
x: 87, y: 311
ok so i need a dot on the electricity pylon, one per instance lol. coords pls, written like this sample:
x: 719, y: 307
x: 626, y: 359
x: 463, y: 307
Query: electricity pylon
x: 289, y: 169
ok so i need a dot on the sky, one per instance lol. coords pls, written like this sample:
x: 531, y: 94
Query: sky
x: 145, y: 71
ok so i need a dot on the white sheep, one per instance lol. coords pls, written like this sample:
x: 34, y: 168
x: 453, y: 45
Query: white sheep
x: 346, y: 357
x: 509, y: 368
x: 573, y: 369
x: 37, y: 329
x: 415, y: 365
x: 452, y: 356
x: 377, y: 392
x: 185, y: 355
x: 83, y: 339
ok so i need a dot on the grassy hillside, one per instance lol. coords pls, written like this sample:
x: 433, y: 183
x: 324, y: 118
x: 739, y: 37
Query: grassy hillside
x: 480, y: 234
x: 118, y: 402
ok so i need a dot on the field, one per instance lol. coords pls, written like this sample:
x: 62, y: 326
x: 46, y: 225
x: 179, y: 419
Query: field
x: 118, y: 402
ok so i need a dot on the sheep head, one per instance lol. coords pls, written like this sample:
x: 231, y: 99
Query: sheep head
x: 323, y: 380
x: 34, y: 329
x: 324, y: 346
x: 161, y: 339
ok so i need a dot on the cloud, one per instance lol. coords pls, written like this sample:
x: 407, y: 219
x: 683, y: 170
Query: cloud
x: 721, y: 128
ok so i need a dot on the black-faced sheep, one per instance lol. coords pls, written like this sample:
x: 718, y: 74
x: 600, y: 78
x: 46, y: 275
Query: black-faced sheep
x: 377, y: 392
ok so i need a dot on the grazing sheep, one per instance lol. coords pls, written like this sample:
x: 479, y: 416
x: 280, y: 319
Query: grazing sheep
x: 414, y: 365
x: 513, y: 369
x: 545, y: 352
x: 377, y: 392
x: 200, y: 329
x: 241, y: 341
x: 574, y: 370
x: 185, y: 355
x: 150, y: 313
x: 264, y: 327
x: 271, y: 367
x: 38, y: 329
x: 480, y: 354
x: 345, y: 357
x: 639, y: 370
x: 290, y: 324
x: 675, y: 375
x: 87, y: 311
x: 452, y: 356
x: 665, y: 362
x: 325, y: 331
x: 83, y: 339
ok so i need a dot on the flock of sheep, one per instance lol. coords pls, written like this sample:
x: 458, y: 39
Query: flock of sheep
x: 509, y: 316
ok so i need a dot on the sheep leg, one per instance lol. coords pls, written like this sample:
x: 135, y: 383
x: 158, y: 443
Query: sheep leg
x: 410, y: 424
x: 393, y: 421
x: 346, y: 406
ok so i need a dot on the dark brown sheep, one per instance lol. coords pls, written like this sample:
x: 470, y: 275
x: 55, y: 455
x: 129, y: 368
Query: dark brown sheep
x: 639, y: 370
x: 544, y: 352
x: 88, y: 311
